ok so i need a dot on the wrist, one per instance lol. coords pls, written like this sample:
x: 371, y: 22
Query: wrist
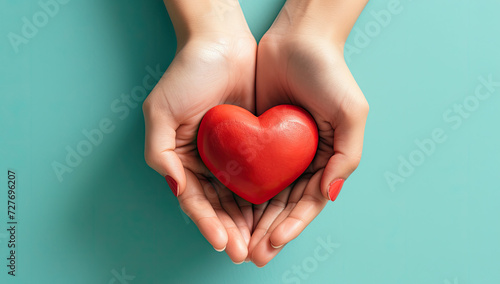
x: 331, y: 20
x: 193, y: 20
x: 306, y: 18
x: 289, y: 39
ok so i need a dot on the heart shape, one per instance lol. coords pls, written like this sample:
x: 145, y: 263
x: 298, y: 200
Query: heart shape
x: 257, y: 157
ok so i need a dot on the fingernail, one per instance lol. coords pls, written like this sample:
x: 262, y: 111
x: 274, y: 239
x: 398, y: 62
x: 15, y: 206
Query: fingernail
x: 334, y: 189
x: 220, y: 250
x: 237, y: 262
x: 172, y: 184
x: 276, y: 247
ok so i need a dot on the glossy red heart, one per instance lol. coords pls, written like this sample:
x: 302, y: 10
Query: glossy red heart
x: 257, y: 157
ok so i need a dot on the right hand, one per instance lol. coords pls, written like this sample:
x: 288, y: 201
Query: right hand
x: 206, y: 71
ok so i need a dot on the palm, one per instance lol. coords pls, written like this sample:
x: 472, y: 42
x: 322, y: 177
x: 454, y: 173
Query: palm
x: 313, y: 75
x: 205, y: 77
x: 201, y: 76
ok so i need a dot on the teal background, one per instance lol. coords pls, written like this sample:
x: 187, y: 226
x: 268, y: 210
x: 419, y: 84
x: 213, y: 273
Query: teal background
x: 438, y: 226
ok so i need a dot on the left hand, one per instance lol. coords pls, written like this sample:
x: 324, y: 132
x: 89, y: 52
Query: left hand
x: 308, y: 71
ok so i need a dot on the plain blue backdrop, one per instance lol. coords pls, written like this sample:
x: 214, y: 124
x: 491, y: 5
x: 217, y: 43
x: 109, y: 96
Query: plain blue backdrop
x: 415, y: 211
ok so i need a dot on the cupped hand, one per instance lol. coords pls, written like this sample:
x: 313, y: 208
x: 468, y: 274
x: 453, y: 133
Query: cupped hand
x: 206, y: 71
x: 308, y: 71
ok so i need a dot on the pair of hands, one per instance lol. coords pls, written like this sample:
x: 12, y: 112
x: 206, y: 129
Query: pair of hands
x: 225, y: 67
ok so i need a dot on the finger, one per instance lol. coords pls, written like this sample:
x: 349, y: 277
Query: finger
x: 308, y: 207
x: 347, y: 147
x: 246, y: 210
x: 196, y: 205
x: 237, y: 248
x: 159, y: 148
x: 264, y: 250
x: 229, y: 204
x: 258, y: 211
x: 272, y: 211
x: 260, y: 249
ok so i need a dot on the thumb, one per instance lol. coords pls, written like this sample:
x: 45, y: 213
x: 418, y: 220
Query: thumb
x: 159, y: 149
x: 347, y: 147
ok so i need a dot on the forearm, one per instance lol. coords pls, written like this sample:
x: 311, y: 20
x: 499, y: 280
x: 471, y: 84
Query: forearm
x: 331, y: 18
x: 205, y: 17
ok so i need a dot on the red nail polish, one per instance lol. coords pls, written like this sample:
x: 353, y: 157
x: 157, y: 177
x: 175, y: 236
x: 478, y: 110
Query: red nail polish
x: 172, y: 184
x: 334, y: 189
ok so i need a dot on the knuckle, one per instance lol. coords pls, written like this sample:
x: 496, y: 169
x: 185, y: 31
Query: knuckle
x: 278, y: 203
x: 300, y: 220
x: 360, y: 106
x: 314, y: 199
x: 149, y: 157
x: 226, y: 199
x: 353, y: 162
x: 364, y: 106
x: 146, y: 105
x: 355, y: 109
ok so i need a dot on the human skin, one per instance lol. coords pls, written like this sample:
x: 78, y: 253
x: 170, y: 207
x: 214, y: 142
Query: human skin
x: 301, y: 62
x: 214, y: 64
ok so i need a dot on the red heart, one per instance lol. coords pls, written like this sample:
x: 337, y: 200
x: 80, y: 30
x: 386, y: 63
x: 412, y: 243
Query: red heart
x: 257, y: 157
